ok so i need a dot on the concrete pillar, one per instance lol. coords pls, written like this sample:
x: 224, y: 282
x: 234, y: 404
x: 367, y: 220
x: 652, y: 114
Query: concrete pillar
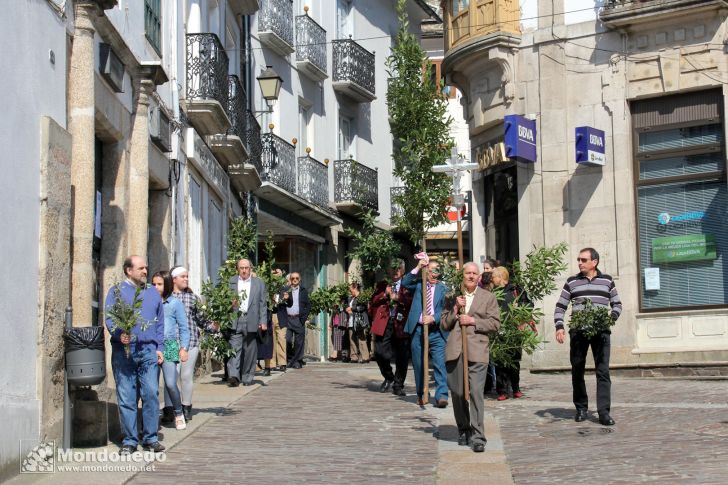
x: 138, y: 196
x: 160, y: 229
x: 81, y: 126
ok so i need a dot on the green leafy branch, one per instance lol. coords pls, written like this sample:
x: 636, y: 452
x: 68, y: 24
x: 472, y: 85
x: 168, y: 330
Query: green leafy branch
x: 125, y: 316
x: 590, y: 320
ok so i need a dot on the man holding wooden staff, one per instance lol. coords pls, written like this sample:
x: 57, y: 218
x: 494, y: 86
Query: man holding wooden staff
x: 424, y: 328
x: 475, y: 313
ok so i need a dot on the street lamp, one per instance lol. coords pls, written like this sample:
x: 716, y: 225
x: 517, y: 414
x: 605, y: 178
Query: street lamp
x: 270, y: 85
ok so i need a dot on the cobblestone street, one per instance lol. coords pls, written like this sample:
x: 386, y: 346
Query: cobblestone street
x: 327, y: 423
x: 667, y: 431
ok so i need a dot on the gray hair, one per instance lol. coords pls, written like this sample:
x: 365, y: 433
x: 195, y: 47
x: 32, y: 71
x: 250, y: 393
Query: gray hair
x: 472, y: 263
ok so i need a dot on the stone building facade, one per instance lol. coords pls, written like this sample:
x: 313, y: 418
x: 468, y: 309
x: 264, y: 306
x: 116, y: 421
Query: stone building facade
x: 650, y: 77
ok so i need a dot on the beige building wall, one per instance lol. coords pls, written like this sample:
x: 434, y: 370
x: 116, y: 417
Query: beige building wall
x: 567, y: 76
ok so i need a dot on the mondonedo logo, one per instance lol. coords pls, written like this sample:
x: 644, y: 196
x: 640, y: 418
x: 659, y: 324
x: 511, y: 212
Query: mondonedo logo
x: 664, y: 218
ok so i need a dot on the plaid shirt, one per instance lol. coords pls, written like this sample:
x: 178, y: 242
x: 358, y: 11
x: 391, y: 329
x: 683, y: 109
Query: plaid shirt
x: 195, y: 320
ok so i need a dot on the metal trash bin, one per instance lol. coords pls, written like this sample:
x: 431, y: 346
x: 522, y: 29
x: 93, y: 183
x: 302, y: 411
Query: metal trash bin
x: 85, y: 360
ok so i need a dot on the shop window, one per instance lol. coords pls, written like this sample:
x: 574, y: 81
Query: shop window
x: 681, y: 210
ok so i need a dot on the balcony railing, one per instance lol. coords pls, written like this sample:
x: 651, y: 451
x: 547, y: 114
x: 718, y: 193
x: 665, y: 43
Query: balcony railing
x: 207, y: 68
x: 279, y: 162
x: 313, y: 181
x: 397, y: 209
x: 354, y: 65
x: 311, y: 44
x: 253, y: 141
x: 275, y: 25
x: 355, y: 183
x: 236, y: 108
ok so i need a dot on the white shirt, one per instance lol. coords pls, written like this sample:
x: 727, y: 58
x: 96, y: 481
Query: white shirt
x: 244, y: 293
x: 294, y: 309
x: 469, y: 297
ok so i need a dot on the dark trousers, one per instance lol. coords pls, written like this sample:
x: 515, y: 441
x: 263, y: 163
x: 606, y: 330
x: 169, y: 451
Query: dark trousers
x: 388, y: 346
x: 506, y: 376
x: 600, y: 350
x: 298, y: 337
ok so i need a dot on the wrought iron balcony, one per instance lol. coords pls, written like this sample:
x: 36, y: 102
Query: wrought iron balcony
x: 298, y: 185
x: 310, y: 48
x: 229, y: 147
x: 620, y: 13
x: 355, y: 187
x: 353, y: 71
x: 313, y: 181
x: 397, y: 209
x: 207, y: 84
x: 254, y: 141
x: 279, y: 162
x: 275, y: 25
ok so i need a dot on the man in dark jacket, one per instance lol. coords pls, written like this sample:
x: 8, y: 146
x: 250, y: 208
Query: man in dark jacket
x: 296, y: 316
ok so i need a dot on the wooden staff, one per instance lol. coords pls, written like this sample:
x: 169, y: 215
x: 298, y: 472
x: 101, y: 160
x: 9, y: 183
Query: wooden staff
x: 425, y: 334
x: 463, y: 330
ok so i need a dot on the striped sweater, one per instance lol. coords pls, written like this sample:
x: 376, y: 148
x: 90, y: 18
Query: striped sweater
x: 600, y: 290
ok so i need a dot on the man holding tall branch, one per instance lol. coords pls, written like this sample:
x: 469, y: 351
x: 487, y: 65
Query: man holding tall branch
x: 424, y: 328
x: 481, y: 316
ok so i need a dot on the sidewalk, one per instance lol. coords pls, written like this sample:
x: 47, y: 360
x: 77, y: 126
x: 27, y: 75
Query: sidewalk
x: 211, y: 398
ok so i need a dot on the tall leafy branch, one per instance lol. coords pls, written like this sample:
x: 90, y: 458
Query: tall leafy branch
x: 420, y: 128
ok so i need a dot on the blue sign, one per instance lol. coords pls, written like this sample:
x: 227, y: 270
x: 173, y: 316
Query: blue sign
x: 590, y: 146
x: 520, y: 138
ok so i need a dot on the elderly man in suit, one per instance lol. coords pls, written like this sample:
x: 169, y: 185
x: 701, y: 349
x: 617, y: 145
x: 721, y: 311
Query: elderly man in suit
x: 475, y: 314
x: 431, y: 317
x: 252, y: 315
x: 297, y: 315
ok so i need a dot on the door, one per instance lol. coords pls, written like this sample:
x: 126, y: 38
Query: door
x: 345, y: 145
x: 304, y: 121
x: 194, y: 231
x: 344, y: 20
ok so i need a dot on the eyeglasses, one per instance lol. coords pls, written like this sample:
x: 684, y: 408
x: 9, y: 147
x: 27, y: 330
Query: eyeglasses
x: 582, y: 260
x: 295, y: 279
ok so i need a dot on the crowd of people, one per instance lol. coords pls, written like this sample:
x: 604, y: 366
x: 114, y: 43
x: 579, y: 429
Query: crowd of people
x: 392, y: 326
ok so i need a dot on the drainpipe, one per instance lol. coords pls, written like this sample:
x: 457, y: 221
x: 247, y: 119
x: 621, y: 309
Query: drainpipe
x: 67, y: 405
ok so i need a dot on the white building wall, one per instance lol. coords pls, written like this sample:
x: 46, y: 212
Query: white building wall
x: 31, y: 87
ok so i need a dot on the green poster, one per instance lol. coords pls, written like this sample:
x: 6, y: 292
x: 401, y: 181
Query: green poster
x: 690, y: 247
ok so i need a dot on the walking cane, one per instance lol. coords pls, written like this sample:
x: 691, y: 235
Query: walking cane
x: 426, y: 337
x: 463, y: 330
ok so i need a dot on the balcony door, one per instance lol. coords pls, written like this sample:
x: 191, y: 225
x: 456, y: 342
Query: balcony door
x: 345, y: 138
x: 344, y: 19
x: 304, y: 127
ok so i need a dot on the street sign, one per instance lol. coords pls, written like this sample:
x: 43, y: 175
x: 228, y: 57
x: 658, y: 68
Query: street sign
x: 452, y: 213
x: 590, y: 146
x: 520, y: 138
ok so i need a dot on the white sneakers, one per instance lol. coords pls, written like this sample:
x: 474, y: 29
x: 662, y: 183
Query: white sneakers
x: 179, y: 422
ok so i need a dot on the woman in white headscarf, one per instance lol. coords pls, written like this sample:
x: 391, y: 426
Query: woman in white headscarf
x: 195, y: 321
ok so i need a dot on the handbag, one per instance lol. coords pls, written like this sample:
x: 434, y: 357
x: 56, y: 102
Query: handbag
x: 171, y: 350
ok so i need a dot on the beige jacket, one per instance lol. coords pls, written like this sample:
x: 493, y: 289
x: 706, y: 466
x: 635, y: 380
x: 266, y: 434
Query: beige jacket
x: 486, y: 312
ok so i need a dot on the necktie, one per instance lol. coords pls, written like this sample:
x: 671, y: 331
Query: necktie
x: 430, y: 310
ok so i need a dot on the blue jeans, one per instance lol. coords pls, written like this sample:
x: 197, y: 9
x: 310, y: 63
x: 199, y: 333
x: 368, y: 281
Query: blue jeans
x: 437, y: 354
x: 140, y: 366
x: 169, y: 372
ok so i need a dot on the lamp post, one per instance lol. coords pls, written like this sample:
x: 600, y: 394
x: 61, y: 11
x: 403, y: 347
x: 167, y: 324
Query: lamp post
x: 456, y: 169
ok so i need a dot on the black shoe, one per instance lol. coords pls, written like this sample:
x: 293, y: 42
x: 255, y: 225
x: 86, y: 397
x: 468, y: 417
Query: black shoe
x: 464, y: 439
x: 187, y: 411
x: 581, y: 415
x: 302, y: 363
x: 233, y: 382
x: 295, y: 366
x: 266, y: 371
x: 479, y: 447
x: 127, y: 450
x: 606, y: 420
x: 282, y: 368
x: 399, y: 391
x: 156, y: 447
x: 386, y: 385
x: 167, y: 414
